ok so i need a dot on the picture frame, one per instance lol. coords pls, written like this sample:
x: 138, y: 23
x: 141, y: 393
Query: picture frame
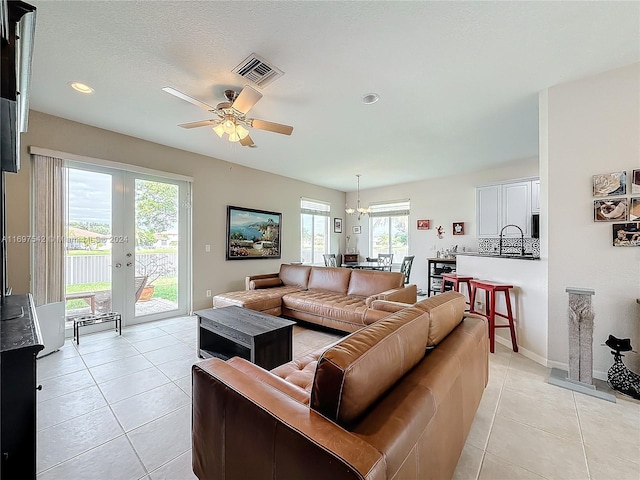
x: 423, y: 224
x: 253, y: 234
x: 458, y: 228
x: 610, y: 210
x: 610, y: 184
x: 626, y: 234
x: 357, y: 229
x: 634, y: 209
x: 337, y: 225
x: 635, y: 182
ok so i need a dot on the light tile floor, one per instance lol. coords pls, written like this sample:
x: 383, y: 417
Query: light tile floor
x: 119, y: 408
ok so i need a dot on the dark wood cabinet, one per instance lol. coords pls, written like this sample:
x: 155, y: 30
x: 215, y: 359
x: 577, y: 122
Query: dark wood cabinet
x: 436, y: 267
x: 351, y: 258
x: 20, y: 342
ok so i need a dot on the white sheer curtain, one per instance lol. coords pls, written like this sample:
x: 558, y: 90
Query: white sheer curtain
x: 49, y: 205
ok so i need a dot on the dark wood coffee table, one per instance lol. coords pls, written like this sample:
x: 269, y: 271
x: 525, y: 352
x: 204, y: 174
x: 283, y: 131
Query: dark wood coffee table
x: 234, y: 331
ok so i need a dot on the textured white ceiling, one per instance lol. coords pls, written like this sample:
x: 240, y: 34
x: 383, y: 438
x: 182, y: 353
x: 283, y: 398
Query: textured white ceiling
x: 458, y: 81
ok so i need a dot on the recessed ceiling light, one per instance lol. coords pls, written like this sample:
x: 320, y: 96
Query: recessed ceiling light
x: 81, y: 87
x: 370, y: 98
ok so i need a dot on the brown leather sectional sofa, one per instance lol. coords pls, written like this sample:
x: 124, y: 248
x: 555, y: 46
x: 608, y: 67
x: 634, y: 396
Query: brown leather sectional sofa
x: 371, y: 406
x: 339, y: 298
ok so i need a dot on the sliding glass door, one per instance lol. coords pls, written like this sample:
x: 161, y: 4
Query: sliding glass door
x: 127, y: 244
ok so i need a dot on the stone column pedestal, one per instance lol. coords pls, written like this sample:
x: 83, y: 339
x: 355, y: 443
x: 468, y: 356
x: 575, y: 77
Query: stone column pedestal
x: 580, y: 335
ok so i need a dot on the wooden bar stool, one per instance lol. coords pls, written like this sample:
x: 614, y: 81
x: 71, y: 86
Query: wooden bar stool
x: 456, y: 280
x: 490, y: 290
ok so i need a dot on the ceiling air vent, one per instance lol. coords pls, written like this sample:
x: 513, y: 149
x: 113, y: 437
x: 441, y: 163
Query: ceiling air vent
x: 257, y: 70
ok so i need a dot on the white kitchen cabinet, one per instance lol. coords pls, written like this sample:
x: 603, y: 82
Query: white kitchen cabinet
x: 508, y: 203
x: 488, y: 206
x: 535, y: 196
x: 516, y: 208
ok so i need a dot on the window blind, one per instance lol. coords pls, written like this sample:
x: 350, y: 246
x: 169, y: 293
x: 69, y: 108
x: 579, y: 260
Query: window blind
x: 390, y: 209
x: 314, y: 207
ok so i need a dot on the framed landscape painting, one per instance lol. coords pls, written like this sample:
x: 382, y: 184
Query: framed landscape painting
x: 252, y: 233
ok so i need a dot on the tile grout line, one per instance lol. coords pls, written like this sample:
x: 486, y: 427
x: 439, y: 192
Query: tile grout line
x: 493, y: 418
x: 582, y: 444
x: 124, y: 432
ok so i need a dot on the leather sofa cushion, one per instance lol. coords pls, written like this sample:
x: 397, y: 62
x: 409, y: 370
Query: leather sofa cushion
x: 327, y: 304
x: 364, y: 283
x: 446, y: 311
x: 260, y: 300
x: 295, y: 275
x: 259, y: 283
x: 330, y: 279
x: 355, y: 372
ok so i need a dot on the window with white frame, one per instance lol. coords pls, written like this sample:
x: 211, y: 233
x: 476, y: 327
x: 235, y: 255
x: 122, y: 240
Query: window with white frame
x: 314, y: 234
x: 389, y: 229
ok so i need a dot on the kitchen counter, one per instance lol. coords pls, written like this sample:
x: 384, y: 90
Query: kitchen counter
x: 517, y: 256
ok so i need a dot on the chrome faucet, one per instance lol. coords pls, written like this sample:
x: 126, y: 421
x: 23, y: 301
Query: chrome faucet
x: 521, y: 239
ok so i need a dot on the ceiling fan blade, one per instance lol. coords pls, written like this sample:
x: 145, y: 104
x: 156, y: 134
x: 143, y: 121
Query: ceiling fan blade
x: 248, y: 98
x: 271, y: 127
x: 184, y: 96
x: 202, y: 123
x: 247, y: 141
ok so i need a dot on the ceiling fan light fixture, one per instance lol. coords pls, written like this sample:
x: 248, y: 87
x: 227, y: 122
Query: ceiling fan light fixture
x: 229, y: 126
x: 219, y: 129
x: 234, y: 137
x: 241, y: 131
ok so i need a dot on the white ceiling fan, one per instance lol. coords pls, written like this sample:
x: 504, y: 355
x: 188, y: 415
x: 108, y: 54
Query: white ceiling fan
x: 231, y: 115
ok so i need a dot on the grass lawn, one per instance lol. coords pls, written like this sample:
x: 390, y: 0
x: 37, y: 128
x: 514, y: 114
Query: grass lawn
x: 166, y: 288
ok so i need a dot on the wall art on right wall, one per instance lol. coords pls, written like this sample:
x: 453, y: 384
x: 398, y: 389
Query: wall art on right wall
x: 635, y: 182
x: 610, y: 210
x: 626, y: 234
x: 634, y: 210
x: 610, y: 184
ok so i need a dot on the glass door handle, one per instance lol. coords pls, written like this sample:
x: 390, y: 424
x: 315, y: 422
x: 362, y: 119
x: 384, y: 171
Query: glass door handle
x: 118, y: 265
x: 129, y: 264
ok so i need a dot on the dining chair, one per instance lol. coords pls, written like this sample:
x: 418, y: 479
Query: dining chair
x: 330, y: 260
x: 385, y: 259
x: 406, y: 267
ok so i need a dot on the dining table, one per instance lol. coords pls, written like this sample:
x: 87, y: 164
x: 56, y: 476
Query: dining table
x: 365, y: 265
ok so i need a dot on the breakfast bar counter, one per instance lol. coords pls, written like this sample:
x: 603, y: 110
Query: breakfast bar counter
x: 529, y: 296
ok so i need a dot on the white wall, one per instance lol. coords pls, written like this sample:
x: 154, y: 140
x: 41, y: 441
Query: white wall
x: 588, y: 127
x: 443, y: 201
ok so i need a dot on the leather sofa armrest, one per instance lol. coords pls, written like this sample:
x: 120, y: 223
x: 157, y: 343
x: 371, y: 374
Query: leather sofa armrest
x: 234, y: 414
x: 388, y: 306
x: 260, y: 374
x: 407, y: 294
x: 380, y: 309
x: 247, y: 280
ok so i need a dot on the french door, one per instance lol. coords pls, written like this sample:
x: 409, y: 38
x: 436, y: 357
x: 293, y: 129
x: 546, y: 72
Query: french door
x: 128, y: 237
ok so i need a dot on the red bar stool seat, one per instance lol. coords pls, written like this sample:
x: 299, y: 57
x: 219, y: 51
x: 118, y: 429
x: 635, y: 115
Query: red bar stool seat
x: 490, y: 290
x: 456, y: 280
